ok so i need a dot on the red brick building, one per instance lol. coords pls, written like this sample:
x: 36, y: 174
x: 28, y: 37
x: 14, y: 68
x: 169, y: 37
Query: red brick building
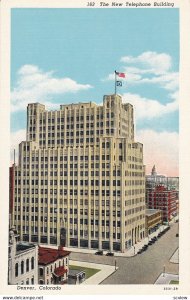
x: 53, y: 265
x: 165, y: 200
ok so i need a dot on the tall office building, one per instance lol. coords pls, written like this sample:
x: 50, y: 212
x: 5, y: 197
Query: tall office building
x: 80, y: 179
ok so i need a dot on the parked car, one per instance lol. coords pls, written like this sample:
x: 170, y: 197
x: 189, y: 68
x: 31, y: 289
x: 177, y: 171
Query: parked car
x: 150, y: 242
x: 100, y: 252
x: 145, y: 247
x: 154, y: 240
x: 110, y: 254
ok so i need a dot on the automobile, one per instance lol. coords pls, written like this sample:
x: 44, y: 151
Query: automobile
x: 177, y: 235
x: 150, y: 242
x: 140, y: 251
x: 159, y: 235
x: 154, y: 239
x: 100, y: 252
x: 110, y: 254
x: 145, y: 247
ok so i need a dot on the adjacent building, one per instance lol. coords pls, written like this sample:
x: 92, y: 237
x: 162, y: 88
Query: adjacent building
x: 23, y: 261
x: 153, y: 220
x: 53, y: 266
x: 163, y: 199
x: 162, y: 193
x: 80, y: 178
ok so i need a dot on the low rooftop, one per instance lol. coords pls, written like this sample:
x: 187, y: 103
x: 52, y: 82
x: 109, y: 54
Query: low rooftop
x: 48, y: 255
x: 150, y: 212
x: 24, y: 246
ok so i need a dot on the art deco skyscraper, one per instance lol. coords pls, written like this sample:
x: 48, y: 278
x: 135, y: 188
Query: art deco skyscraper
x: 80, y: 179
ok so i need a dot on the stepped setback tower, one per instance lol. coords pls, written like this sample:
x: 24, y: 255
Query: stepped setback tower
x: 80, y: 178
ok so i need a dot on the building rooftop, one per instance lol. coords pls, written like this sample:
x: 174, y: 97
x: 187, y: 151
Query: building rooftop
x: 24, y: 246
x: 49, y: 255
x: 150, y: 212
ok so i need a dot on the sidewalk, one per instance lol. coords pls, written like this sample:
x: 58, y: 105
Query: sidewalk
x: 175, y: 257
x: 105, y: 271
x: 129, y: 253
x: 165, y: 278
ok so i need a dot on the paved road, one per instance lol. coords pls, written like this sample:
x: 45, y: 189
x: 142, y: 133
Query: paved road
x: 144, y: 268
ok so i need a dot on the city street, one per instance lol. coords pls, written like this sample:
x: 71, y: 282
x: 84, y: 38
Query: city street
x: 143, y: 268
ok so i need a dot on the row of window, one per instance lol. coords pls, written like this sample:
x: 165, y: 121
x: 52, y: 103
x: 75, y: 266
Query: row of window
x: 77, y: 139
x: 65, y: 173
x: 72, y: 126
x: 71, y: 118
x: 95, y: 222
x: 84, y: 233
x: 72, y: 202
x: 24, y: 266
x: 65, y: 166
x: 71, y: 192
x: 72, y: 182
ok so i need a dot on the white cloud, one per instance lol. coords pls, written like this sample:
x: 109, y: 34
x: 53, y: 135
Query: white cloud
x: 168, y: 81
x: 150, y: 108
x: 160, y: 149
x: 35, y: 85
x: 158, y: 63
x: 149, y: 68
x: 17, y: 137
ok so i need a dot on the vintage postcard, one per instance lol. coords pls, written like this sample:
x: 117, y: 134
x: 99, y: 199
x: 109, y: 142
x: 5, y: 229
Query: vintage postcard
x: 94, y: 149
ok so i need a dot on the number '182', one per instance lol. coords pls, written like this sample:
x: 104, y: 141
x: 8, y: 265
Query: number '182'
x: 90, y: 3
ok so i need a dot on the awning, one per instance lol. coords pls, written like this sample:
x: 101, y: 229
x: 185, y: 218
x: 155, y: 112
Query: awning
x: 60, y: 271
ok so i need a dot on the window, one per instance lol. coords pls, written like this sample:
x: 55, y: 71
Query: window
x: 27, y: 265
x: 16, y: 270
x: 22, y: 267
x: 32, y: 263
x: 41, y: 271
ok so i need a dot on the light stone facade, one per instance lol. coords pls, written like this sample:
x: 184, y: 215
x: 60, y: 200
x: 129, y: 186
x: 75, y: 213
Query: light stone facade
x: 80, y: 170
x: 23, y: 262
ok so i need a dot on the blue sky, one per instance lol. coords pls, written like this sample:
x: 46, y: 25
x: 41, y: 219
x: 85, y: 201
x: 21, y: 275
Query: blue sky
x: 69, y: 55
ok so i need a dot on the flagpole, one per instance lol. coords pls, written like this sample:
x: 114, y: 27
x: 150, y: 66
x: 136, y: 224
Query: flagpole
x: 115, y: 83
